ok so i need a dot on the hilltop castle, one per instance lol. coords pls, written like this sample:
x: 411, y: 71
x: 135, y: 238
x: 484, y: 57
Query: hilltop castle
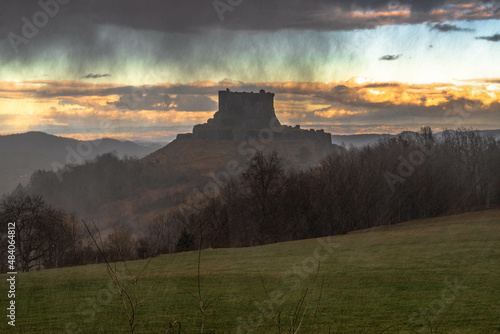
x: 243, y: 114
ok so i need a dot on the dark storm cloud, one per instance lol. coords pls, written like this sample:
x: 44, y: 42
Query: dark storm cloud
x: 96, y: 76
x: 492, y: 80
x: 453, y: 113
x: 154, y: 99
x: 194, y: 103
x: 390, y: 57
x: 342, y: 93
x: 494, y: 38
x: 381, y: 85
x: 350, y: 96
x: 450, y: 28
x: 125, y: 37
x: 157, y: 98
x: 199, y: 16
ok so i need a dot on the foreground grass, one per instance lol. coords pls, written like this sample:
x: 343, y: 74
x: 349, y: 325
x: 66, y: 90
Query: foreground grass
x: 406, y: 278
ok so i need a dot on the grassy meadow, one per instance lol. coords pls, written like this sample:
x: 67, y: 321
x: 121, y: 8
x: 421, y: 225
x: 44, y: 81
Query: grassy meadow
x: 438, y: 275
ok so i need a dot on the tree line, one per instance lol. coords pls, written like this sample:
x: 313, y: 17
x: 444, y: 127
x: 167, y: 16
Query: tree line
x: 411, y: 176
x: 84, y: 188
x: 46, y: 237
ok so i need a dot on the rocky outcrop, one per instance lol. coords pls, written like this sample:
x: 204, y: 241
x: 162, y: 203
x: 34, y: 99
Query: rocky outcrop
x: 245, y: 124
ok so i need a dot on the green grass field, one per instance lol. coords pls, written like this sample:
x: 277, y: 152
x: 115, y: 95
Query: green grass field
x: 414, y: 277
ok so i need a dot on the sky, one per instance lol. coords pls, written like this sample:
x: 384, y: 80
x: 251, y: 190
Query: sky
x: 147, y: 70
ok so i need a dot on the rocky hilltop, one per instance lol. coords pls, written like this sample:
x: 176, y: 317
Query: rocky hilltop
x: 244, y: 115
x: 245, y: 123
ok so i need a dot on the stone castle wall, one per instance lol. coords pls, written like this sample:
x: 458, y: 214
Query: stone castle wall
x: 241, y: 109
x: 242, y: 115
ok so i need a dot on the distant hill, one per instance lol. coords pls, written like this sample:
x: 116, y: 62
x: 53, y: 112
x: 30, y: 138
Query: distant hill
x: 24, y: 153
x: 494, y: 133
x: 360, y: 140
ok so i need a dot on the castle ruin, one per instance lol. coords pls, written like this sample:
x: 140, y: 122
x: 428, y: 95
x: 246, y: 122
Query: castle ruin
x: 242, y: 115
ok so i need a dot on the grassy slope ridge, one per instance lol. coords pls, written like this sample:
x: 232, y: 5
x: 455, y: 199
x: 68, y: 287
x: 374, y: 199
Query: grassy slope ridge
x: 375, y: 279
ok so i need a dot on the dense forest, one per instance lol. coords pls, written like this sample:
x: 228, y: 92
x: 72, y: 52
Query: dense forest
x: 411, y: 176
x: 400, y: 179
x: 85, y: 187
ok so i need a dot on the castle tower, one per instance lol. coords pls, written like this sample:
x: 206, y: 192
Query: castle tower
x: 243, y: 115
x: 249, y: 110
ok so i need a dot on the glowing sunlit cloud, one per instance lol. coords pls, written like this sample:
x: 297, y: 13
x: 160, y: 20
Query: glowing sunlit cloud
x: 50, y: 105
x: 374, y: 14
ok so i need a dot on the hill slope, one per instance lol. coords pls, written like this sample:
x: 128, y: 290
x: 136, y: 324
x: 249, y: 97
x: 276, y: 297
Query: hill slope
x: 24, y: 153
x: 377, y: 279
x: 210, y: 156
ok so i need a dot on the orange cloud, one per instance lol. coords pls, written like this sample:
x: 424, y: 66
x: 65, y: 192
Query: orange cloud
x: 387, y: 14
x: 80, y: 108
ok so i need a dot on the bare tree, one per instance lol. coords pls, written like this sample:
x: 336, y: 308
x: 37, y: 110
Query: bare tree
x: 37, y: 228
x: 120, y: 245
x: 263, y: 181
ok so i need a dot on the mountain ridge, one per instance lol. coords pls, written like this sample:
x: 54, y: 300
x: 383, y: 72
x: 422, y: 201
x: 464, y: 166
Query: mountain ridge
x: 24, y: 153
